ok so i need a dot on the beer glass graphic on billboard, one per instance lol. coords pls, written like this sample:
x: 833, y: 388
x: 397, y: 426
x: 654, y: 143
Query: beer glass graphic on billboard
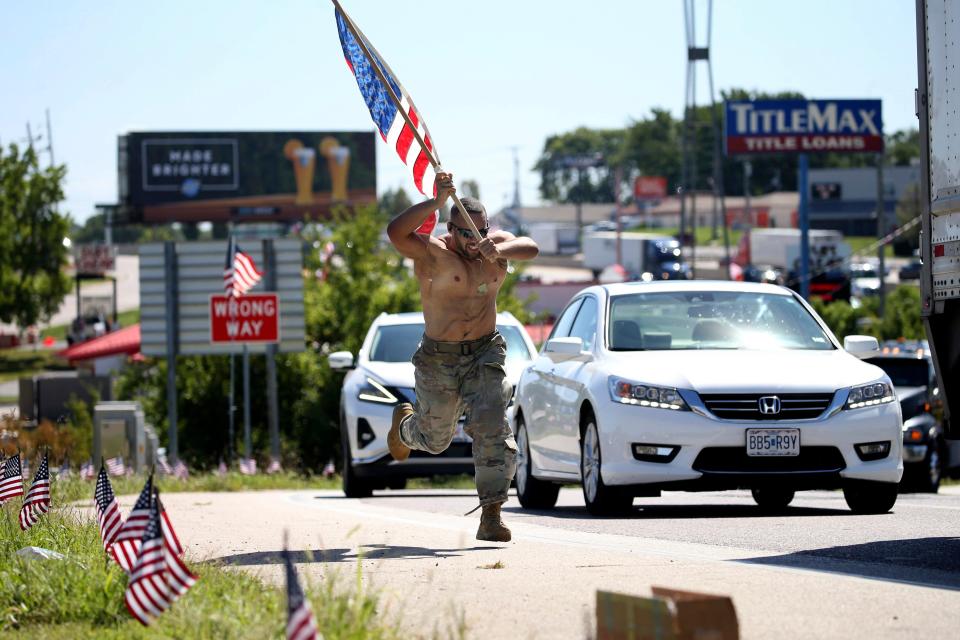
x: 303, y: 159
x: 338, y: 163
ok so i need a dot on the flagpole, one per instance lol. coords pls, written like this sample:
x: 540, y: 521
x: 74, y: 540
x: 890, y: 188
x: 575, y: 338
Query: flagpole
x: 399, y: 106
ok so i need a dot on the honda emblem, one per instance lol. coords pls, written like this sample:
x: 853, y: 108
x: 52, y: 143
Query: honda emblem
x: 769, y: 405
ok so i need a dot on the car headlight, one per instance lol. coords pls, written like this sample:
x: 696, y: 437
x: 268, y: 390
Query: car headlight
x: 869, y: 395
x: 645, y: 395
x: 373, y: 391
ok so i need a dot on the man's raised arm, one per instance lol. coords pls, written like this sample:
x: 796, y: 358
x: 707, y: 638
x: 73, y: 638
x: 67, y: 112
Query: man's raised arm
x: 402, y: 230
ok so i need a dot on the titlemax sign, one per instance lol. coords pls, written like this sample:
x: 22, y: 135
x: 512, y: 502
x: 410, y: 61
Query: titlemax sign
x: 803, y: 126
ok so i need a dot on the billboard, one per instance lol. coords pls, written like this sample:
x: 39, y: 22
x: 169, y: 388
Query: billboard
x: 244, y: 176
x: 803, y: 126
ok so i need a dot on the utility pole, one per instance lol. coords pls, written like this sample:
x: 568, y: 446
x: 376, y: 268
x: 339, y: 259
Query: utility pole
x: 688, y: 187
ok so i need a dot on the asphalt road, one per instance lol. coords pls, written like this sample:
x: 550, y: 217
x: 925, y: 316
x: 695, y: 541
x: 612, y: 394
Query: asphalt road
x: 815, y: 572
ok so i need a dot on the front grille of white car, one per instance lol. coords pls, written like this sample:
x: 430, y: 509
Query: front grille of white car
x: 749, y: 406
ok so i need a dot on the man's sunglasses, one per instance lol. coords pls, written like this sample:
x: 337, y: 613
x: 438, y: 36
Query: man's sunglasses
x: 468, y: 234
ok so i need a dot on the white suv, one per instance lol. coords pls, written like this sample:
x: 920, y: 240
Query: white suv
x: 380, y: 377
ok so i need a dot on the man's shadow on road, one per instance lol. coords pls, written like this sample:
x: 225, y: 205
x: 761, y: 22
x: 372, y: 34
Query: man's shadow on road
x: 367, y: 552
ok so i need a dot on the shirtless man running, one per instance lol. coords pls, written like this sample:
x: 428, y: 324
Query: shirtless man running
x: 460, y: 362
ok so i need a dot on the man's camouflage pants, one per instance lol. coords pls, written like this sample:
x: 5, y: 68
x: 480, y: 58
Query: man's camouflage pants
x: 453, y: 378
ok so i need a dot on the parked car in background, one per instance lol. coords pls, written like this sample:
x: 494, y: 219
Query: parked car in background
x: 864, y: 280
x: 927, y: 455
x: 911, y: 270
x: 699, y: 385
x: 381, y: 376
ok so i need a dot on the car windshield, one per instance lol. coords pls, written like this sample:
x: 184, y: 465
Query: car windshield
x: 904, y: 372
x: 864, y: 271
x: 398, y: 343
x: 712, y: 320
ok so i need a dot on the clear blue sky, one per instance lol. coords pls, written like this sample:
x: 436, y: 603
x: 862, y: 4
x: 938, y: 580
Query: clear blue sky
x: 486, y: 75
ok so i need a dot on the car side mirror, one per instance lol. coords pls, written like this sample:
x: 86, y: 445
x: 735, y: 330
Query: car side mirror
x: 341, y: 360
x: 563, y: 349
x: 861, y: 346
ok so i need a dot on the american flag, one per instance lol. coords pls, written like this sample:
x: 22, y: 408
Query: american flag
x: 64, y: 470
x: 37, y: 501
x: 239, y: 273
x: 165, y: 468
x: 169, y: 535
x: 328, y: 469
x: 11, y: 485
x: 3, y: 464
x: 115, y: 466
x: 300, y: 622
x: 86, y: 471
x: 108, y: 512
x: 393, y: 129
x: 159, y: 577
x: 180, y: 470
x: 248, y: 466
x: 274, y: 466
x: 127, y: 544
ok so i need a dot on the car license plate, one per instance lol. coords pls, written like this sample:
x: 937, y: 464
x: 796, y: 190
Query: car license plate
x: 773, y: 442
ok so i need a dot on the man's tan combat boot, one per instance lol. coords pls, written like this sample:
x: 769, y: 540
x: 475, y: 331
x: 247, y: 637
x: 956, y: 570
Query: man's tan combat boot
x: 491, y: 526
x: 398, y: 450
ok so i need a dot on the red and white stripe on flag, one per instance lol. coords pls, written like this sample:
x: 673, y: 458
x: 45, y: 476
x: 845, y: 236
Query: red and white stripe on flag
x: 37, y: 501
x: 401, y: 138
x: 159, y: 577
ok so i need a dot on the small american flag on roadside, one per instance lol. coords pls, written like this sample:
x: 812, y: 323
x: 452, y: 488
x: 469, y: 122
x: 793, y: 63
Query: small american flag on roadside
x: 86, y: 471
x: 108, y: 511
x: 180, y: 470
x: 127, y: 544
x: 159, y: 577
x: 301, y: 624
x: 248, y: 466
x: 37, y: 501
x: 169, y: 534
x: 164, y: 465
x: 11, y: 485
x: 115, y: 466
x: 329, y: 470
x: 240, y: 273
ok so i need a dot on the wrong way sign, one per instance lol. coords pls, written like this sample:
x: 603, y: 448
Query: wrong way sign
x: 253, y: 318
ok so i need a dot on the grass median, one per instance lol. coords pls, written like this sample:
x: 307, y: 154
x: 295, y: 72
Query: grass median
x: 82, y: 596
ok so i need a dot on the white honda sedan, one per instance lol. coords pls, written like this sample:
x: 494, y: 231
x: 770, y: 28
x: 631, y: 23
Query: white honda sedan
x: 381, y: 376
x: 699, y: 385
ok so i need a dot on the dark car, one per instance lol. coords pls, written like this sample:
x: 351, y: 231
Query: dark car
x: 911, y: 270
x: 927, y: 455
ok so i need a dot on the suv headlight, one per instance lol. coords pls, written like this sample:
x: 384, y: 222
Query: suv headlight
x: 373, y: 391
x: 646, y: 395
x: 869, y: 395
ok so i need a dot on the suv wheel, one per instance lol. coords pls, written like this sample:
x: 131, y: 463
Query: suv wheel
x: 928, y: 481
x: 353, y: 486
x: 870, y: 497
x: 532, y: 493
x: 600, y: 499
x: 772, y: 499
